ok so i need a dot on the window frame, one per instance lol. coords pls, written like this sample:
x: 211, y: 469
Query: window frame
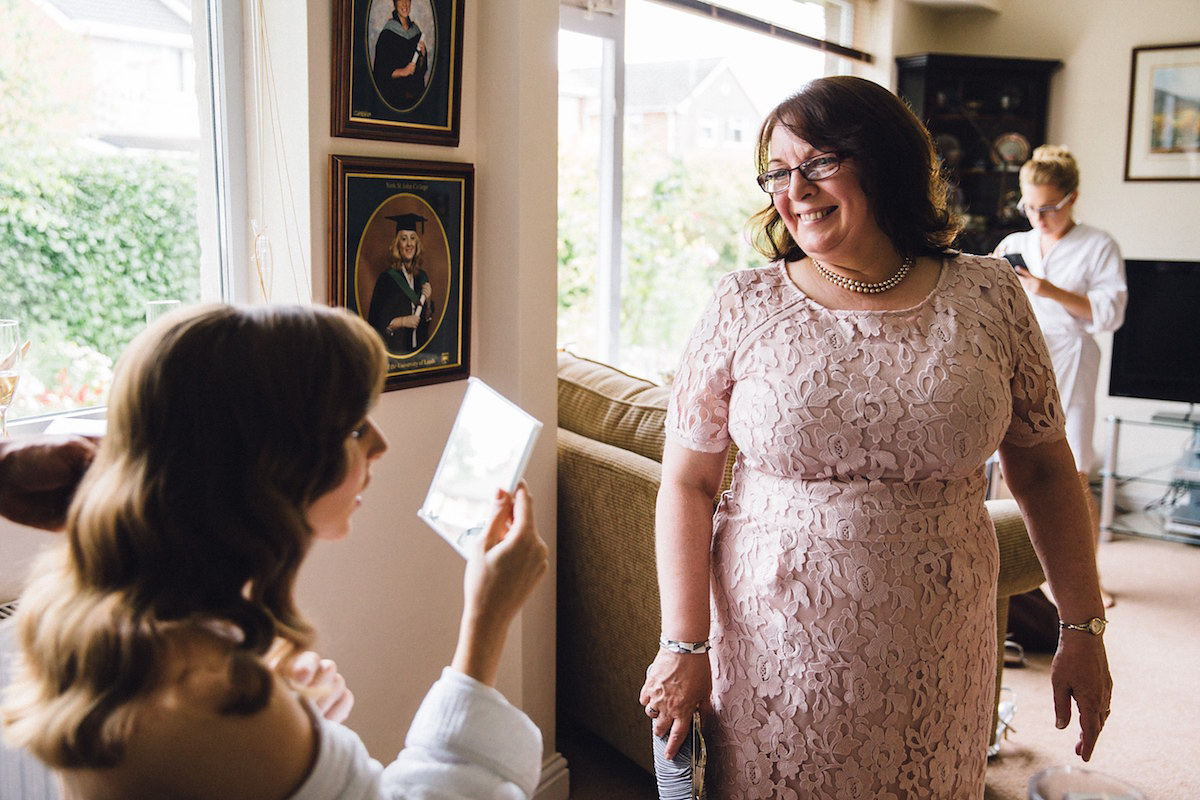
x: 609, y: 28
x: 217, y: 30
x: 227, y: 129
x: 605, y: 20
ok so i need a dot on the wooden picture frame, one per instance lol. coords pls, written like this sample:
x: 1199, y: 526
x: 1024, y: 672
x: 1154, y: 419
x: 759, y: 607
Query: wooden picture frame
x: 1163, y: 134
x: 423, y: 310
x: 373, y: 49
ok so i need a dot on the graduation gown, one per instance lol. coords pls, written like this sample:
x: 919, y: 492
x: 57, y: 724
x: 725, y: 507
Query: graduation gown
x: 390, y: 300
x: 395, y: 49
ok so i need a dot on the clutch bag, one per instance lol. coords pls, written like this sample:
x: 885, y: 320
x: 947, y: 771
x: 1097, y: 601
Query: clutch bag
x: 681, y: 778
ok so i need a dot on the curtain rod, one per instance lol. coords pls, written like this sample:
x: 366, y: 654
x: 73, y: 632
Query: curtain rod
x: 762, y: 26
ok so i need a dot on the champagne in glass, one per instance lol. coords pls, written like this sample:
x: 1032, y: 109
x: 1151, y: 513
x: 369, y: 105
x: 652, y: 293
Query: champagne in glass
x: 158, y: 308
x: 10, y: 367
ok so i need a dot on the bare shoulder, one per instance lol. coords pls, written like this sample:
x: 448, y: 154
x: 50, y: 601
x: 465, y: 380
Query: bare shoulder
x: 183, y: 746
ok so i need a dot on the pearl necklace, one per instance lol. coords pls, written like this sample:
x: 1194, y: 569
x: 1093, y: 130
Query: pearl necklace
x: 858, y: 286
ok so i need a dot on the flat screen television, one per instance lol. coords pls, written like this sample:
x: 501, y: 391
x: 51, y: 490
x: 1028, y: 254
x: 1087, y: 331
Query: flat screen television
x: 1156, y: 353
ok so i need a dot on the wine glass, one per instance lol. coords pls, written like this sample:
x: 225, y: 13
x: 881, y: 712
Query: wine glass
x: 10, y: 367
x: 158, y: 308
x: 1065, y: 782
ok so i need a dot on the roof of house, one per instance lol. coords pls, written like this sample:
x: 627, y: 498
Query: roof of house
x: 155, y: 15
x: 665, y: 84
x: 652, y: 86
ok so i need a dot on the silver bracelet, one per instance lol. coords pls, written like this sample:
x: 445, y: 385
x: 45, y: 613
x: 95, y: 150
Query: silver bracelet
x: 683, y: 648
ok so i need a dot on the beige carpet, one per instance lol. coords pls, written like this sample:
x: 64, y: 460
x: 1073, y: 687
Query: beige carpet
x: 1152, y: 739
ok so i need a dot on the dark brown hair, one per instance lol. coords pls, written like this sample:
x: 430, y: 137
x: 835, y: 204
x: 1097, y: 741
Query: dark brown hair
x: 892, y: 150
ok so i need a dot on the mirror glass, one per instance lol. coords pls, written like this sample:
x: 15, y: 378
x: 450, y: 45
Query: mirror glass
x: 488, y: 448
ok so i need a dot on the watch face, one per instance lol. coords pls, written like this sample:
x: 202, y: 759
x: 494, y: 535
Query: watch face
x: 1096, y: 626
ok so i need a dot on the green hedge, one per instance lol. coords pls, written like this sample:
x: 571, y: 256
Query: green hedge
x: 85, y: 240
x: 682, y: 227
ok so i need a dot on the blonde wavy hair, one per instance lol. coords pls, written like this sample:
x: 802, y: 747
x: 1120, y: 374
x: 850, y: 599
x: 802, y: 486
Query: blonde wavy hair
x: 224, y: 424
x: 1051, y: 165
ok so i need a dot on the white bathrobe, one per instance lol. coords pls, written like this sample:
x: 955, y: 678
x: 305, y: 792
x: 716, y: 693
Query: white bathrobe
x: 466, y: 743
x: 1085, y: 261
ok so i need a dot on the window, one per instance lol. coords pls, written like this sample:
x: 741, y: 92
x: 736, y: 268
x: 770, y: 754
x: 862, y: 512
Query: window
x: 107, y: 198
x: 656, y: 157
x: 737, y: 131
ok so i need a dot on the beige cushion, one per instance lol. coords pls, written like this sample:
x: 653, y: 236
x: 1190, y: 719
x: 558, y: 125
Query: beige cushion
x: 605, y: 404
x: 602, y: 403
x: 608, y: 609
x: 1020, y: 570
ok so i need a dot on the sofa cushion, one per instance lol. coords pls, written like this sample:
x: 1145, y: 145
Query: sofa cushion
x: 602, y: 403
x: 608, y: 607
x: 1020, y: 570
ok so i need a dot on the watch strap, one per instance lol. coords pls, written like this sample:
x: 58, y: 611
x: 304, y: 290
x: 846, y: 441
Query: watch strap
x: 1095, y: 626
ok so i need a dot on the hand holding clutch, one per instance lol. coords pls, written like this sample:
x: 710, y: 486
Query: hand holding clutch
x: 681, y: 778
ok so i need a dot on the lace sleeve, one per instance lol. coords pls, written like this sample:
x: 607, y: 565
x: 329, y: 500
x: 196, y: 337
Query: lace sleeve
x: 1037, y: 413
x: 698, y: 412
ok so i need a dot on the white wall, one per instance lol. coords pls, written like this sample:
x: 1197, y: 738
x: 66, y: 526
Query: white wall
x: 386, y: 601
x: 1089, y: 99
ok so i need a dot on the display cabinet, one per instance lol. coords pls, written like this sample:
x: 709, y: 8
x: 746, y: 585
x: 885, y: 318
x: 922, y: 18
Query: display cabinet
x: 986, y: 115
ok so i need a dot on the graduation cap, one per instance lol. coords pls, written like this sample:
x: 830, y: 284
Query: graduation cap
x: 408, y: 222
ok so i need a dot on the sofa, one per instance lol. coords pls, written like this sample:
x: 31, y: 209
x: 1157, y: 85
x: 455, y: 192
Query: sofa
x: 610, y: 443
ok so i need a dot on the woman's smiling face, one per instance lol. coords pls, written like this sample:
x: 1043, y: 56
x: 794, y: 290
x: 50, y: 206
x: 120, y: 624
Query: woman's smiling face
x: 828, y: 217
x: 408, y: 245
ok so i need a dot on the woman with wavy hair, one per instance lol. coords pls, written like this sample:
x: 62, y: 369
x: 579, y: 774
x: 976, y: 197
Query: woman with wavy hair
x: 834, y: 620
x: 157, y: 643
x: 402, y: 299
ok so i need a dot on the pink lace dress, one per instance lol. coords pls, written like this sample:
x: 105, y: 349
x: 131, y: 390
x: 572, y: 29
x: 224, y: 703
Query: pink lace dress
x: 854, y: 563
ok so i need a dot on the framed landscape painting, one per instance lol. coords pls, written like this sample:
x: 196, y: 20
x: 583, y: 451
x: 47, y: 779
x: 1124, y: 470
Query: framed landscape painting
x: 1163, y: 142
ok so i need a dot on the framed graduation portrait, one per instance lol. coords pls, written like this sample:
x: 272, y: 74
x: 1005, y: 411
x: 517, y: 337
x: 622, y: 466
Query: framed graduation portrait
x: 401, y: 259
x: 397, y: 70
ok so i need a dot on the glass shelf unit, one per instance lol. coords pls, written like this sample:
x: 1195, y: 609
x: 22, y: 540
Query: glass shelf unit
x: 1175, y: 514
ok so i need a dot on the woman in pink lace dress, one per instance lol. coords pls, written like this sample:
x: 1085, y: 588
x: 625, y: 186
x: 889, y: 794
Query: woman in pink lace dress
x: 846, y: 584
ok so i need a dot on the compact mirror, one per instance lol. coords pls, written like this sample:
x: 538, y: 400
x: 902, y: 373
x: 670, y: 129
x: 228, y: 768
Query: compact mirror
x: 488, y: 448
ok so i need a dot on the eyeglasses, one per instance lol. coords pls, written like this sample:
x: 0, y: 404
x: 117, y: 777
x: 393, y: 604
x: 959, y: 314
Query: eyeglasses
x: 817, y: 168
x: 1026, y: 210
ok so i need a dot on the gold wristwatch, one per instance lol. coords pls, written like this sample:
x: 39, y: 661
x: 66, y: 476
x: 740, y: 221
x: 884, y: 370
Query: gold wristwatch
x: 1095, y: 626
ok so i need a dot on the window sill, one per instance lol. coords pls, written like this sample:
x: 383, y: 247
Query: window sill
x: 82, y: 421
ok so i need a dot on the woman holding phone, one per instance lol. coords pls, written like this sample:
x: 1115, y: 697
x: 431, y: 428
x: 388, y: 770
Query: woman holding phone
x: 1075, y: 279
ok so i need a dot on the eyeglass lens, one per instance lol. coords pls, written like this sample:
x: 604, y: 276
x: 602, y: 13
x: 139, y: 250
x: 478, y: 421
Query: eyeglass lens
x: 1026, y: 210
x: 815, y: 169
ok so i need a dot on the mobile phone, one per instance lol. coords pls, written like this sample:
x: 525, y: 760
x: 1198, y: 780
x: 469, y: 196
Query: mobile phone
x: 1016, y: 259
